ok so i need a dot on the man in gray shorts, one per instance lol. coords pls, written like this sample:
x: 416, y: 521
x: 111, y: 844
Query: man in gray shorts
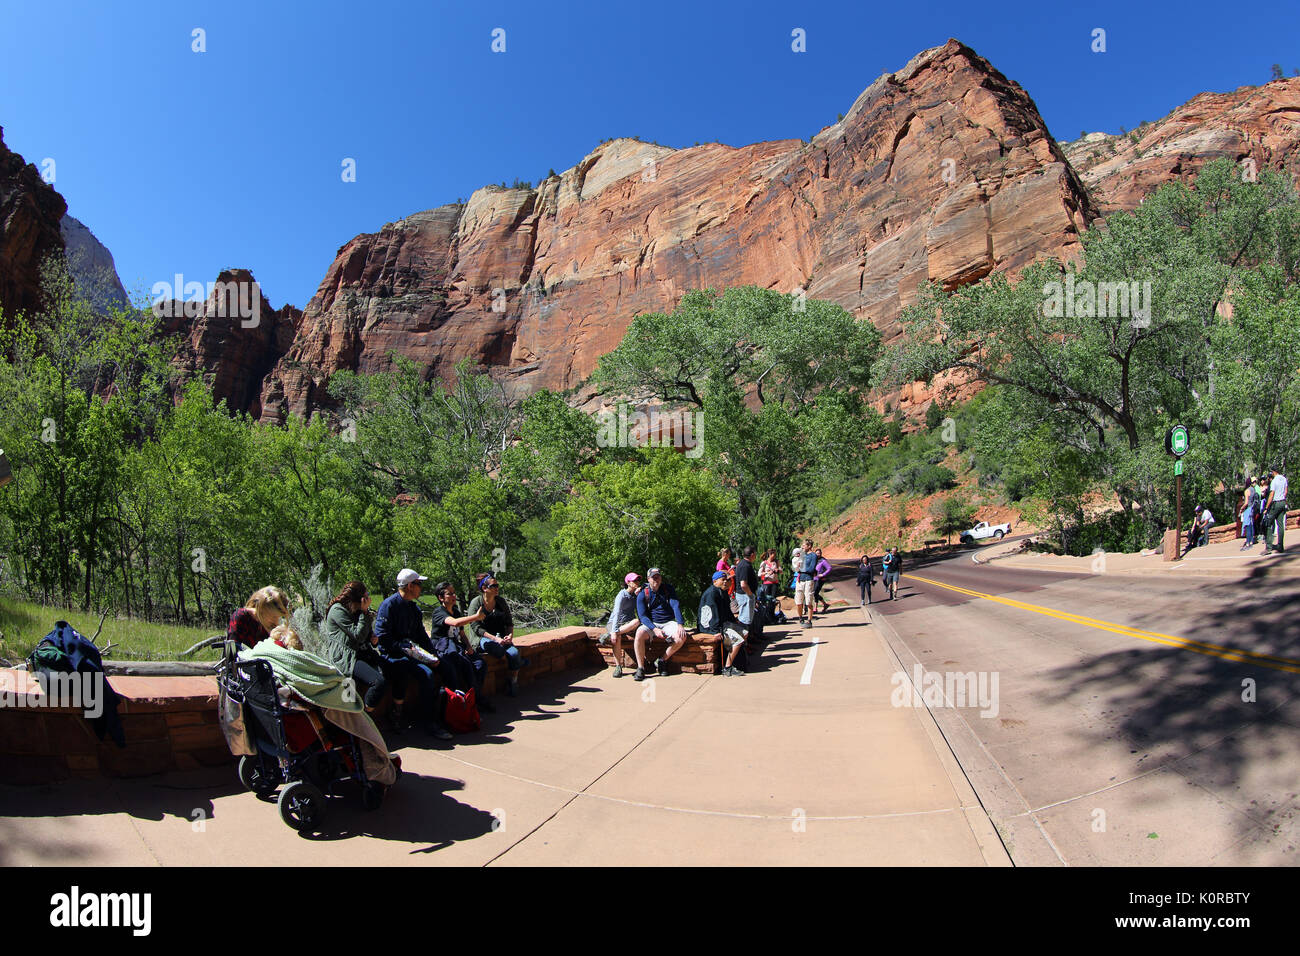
x: 623, y: 620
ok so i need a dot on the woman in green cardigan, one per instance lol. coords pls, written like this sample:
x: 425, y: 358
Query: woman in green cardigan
x: 350, y: 641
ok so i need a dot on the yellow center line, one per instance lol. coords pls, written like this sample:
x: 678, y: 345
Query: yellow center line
x: 1288, y: 664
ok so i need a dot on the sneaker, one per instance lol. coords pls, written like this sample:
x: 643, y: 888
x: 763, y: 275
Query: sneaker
x: 618, y: 670
x: 661, y: 666
x: 640, y: 674
x: 438, y: 730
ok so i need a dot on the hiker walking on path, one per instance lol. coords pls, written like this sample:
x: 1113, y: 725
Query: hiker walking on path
x: 820, y: 573
x: 866, y: 578
x: 892, y: 566
x: 805, y: 571
x: 1275, y: 513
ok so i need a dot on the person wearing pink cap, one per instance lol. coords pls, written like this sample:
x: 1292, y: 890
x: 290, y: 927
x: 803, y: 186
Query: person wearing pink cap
x: 623, y: 620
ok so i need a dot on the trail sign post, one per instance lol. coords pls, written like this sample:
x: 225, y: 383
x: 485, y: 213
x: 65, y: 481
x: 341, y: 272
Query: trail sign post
x: 1176, y: 443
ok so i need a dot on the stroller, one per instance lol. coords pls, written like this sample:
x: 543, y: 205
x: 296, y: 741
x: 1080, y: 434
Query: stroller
x: 293, y: 745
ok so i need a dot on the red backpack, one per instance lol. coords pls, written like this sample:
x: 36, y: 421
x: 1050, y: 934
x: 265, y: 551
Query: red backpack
x: 460, y: 710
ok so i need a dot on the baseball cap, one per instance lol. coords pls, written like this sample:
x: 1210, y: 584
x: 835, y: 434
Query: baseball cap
x: 651, y: 573
x: 719, y: 574
x: 630, y: 577
x: 406, y: 576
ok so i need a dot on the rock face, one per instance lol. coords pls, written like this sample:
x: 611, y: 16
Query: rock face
x: 233, y: 337
x: 1254, y: 125
x: 943, y: 170
x: 92, y: 267
x: 30, y: 211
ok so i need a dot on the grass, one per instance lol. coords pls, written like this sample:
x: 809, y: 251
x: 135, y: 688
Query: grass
x: 22, y: 625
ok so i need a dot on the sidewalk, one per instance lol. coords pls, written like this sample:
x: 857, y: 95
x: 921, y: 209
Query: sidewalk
x: 803, y: 761
x: 1220, y: 559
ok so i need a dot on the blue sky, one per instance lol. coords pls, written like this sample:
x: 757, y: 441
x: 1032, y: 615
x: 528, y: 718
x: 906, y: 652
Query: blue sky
x: 191, y: 162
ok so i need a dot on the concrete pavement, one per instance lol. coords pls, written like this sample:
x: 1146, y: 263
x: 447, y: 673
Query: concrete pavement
x: 804, y: 761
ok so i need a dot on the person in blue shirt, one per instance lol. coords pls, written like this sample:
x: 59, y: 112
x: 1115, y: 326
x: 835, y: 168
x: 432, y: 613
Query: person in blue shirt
x: 660, y: 615
x: 623, y: 621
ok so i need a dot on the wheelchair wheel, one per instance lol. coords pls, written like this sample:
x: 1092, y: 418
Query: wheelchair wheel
x: 255, y: 775
x: 372, y: 796
x: 302, y: 806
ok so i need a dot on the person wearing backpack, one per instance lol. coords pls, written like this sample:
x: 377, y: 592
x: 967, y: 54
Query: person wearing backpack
x: 460, y: 668
x: 806, y: 571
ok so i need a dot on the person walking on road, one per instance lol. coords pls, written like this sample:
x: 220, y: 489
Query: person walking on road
x: 892, y: 565
x: 866, y: 578
x: 820, y: 574
x: 1275, y: 513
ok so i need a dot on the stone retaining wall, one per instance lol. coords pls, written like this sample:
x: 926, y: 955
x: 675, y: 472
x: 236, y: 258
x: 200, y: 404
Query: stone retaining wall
x: 1225, y: 531
x: 170, y: 723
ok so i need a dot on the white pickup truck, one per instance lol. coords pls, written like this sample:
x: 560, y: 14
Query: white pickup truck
x: 985, y: 530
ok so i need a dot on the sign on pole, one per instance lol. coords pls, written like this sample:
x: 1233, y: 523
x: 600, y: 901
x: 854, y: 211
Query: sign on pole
x: 1176, y: 441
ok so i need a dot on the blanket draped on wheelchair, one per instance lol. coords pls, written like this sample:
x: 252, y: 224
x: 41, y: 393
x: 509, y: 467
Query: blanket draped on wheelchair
x: 321, y: 684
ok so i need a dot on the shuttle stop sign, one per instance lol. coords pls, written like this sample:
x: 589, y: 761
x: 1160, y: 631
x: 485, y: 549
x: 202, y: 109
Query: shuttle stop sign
x: 1176, y: 441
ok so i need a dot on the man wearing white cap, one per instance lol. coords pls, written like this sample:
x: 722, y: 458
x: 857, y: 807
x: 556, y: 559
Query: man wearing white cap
x: 406, y: 647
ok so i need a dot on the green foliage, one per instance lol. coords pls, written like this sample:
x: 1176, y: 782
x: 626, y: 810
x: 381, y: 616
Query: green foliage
x: 933, y: 416
x: 781, y: 380
x: 922, y: 478
x: 952, y: 515
x: 1090, y: 385
x: 628, y: 516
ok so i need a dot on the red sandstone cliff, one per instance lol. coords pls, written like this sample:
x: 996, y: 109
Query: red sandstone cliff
x: 1259, y: 124
x: 943, y: 170
x: 30, y: 211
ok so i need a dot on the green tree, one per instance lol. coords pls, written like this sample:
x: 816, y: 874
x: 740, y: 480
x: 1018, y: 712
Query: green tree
x: 628, y: 516
x: 951, y: 515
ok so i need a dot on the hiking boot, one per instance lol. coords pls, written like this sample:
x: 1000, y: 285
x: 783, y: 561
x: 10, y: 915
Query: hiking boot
x: 618, y: 670
x: 435, y: 729
x: 661, y: 666
x: 640, y: 674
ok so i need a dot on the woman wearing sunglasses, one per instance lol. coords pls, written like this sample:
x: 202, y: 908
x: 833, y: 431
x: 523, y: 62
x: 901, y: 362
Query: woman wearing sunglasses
x: 494, y: 634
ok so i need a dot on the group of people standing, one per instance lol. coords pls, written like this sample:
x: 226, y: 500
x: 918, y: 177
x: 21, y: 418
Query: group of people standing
x: 390, y: 648
x: 1263, y: 506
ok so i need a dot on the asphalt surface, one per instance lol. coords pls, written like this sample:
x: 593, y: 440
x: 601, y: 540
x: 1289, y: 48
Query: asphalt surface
x: 1139, y: 720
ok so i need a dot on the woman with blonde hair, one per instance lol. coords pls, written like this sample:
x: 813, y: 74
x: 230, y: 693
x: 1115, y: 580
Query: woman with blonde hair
x: 253, y: 622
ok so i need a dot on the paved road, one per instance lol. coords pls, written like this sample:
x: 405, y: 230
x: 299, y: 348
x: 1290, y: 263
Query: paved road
x: 1139, y: 720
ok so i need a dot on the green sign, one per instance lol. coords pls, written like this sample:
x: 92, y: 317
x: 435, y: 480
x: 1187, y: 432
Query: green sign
x: 1178, y: 467
x: 1176, y: 441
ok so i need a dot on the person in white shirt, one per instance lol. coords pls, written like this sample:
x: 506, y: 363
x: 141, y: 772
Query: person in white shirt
x: 1199, y: 535
x: 1275, y: 513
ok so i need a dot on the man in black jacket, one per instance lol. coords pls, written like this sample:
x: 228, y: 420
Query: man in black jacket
x: 716, y: 618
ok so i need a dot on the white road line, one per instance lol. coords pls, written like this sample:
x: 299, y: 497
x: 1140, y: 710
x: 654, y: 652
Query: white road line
x: 812, y: 659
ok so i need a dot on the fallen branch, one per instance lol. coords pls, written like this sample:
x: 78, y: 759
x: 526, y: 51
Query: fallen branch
x: 213, y: 641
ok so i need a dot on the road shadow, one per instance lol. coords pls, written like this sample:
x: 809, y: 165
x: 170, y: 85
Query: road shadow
x: 1221, y: 723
